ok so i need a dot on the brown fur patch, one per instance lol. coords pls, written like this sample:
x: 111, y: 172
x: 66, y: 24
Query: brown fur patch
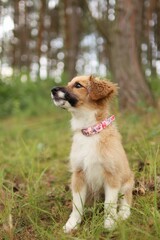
x: 111, y: 180
x: 128, y: 196
x: 99, y: 89
x: 78, y: 181
x: 128, y: 192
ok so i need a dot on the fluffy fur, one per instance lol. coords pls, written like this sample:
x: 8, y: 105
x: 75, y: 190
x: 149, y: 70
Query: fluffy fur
x: 97, y: 161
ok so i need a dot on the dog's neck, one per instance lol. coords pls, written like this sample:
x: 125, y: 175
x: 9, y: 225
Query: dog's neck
x: 84, y: 118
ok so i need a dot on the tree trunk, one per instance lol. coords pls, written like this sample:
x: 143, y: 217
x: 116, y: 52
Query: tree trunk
x: 149, y: 30
x: 15, y: 45
x: 123, y: 46
x: 40, y: 30
x: 124, y: 58
x: 157, y: 32
x: 72, y: 16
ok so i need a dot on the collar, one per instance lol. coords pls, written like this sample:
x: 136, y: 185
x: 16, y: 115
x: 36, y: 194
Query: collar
x: 97, y: 128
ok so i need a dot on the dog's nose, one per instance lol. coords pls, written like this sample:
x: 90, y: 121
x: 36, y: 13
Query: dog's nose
x: 55, y: 90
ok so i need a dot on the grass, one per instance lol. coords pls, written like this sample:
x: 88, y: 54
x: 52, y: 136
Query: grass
x: 34, y: 178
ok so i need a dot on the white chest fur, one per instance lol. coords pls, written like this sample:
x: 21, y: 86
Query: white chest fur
x: 84, y: 156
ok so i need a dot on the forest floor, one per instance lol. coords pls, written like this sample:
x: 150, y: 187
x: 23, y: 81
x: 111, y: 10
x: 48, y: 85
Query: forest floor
x: 34, y: 177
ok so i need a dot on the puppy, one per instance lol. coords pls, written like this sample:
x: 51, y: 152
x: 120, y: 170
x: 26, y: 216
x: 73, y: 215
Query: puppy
x: 97, y: 157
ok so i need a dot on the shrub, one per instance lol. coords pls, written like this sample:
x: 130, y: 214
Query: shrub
x: 29, y: 98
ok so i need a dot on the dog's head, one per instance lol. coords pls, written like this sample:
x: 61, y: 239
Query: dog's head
x: 86, y: 91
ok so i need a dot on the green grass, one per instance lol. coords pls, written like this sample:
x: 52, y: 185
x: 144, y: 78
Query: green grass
x: 34, y: 178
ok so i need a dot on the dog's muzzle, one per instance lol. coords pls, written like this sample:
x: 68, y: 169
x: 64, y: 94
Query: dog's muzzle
x: 58, y: 97
x: 55, y: 92
x: 61, y: 95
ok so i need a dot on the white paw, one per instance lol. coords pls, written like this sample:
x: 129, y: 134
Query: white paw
x: 109, y: 223
x: 124, y: 212
x: 71, y: 224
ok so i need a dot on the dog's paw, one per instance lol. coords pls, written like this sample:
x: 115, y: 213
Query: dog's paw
x: 124, y: 212
x: 71, y: 224
x: 109, y: 223
x: 69, y: 227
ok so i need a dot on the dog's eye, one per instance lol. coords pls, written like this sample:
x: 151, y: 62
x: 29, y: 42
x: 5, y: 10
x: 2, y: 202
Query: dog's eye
x: 78, y: 85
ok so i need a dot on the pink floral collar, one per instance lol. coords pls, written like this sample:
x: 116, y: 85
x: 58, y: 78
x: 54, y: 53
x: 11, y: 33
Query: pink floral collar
x: 97, y: 128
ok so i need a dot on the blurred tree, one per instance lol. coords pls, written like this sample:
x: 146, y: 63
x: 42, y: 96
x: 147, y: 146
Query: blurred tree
x: 21, y: 36
x: 16, y: 52
x: 41, y: 28
x: 72, y: 34
x: 120, y: 25
x: 157, y: 26
x: 148, y: 10
x: 53, y: 31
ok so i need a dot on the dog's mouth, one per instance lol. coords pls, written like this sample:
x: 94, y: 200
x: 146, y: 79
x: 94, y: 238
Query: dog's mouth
x: 56, y: 98
x: 58, y: 101
x: 62, y: 98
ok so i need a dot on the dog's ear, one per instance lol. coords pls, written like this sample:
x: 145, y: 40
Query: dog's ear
x: 99, y: 89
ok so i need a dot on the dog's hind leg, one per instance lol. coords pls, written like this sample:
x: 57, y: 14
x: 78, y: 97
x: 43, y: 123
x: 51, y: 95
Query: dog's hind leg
x: 79, y: 190
x: 126, y: 199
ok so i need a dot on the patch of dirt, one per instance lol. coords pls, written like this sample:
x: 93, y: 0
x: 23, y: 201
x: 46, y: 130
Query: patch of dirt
x: 144, y: 186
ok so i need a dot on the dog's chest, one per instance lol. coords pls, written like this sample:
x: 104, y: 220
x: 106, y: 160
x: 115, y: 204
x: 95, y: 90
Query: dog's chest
x: 85, y: 156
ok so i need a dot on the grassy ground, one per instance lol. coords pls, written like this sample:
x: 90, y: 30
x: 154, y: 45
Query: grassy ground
x: 34, y: 177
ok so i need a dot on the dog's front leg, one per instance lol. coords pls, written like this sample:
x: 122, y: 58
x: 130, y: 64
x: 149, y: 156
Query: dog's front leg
x: 79, y: 190
x: 110, y: 206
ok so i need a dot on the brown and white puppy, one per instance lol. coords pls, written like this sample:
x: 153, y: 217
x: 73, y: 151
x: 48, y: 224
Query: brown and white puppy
x: 98, y: 160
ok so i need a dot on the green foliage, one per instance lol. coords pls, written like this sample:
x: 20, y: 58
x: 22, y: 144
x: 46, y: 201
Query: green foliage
x: 155, y: 86
x: 32, y: 98
x: 28, y: 98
